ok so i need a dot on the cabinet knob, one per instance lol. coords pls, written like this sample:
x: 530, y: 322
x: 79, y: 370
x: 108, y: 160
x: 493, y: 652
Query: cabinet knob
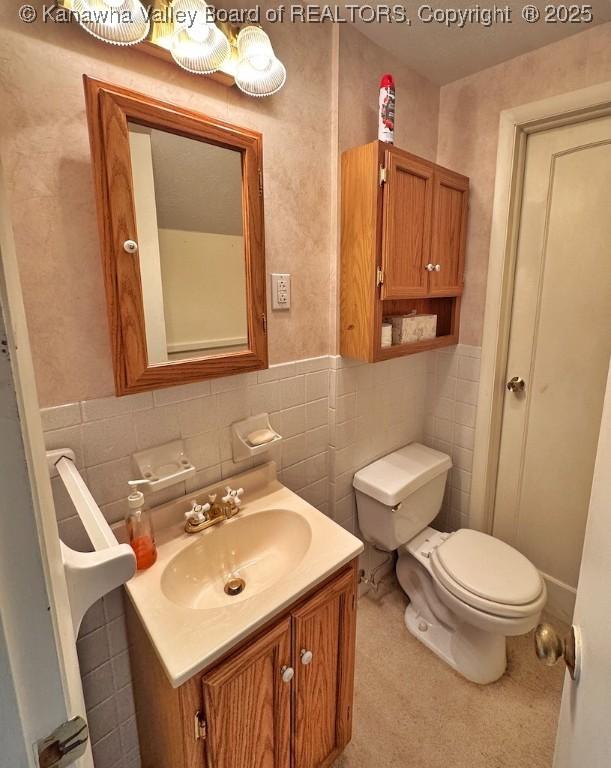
x: 437, y: 267
x: 429, y: 267
x: 306, y: 656
x: 287, y: 674
x: 130, y: 246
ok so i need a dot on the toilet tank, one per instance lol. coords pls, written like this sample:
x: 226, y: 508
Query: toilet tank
x: 400, y: 494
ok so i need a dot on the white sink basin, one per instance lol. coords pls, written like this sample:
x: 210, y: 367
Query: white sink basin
x: 260, y: 549
x: 278, y: 544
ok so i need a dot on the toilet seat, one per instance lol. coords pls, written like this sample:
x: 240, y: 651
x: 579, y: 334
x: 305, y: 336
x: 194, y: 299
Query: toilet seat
x: 487, y: 574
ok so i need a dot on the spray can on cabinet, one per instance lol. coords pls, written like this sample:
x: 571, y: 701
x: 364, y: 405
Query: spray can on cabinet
x: 140, y: 527
x: 386, y: 113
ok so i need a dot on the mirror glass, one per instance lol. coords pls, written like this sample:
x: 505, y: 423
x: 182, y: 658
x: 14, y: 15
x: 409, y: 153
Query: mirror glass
x: 188, y: 203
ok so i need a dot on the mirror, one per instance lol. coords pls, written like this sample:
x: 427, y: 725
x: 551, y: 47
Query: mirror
x: 180, y: 211
x: 188, y: 199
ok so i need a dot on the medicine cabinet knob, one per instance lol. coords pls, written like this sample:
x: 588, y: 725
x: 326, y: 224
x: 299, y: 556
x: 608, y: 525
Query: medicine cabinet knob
x: 130, y: 246
x: 287, y: 674
x: 306, y: 656
x: 430, y: 267
x: 437, y: 267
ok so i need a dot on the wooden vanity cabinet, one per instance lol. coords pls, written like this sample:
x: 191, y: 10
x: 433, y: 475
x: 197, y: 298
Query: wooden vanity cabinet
x: 242, y: 712
x: 403, y: 235
x: 325, y: 626
x: 247, y: 704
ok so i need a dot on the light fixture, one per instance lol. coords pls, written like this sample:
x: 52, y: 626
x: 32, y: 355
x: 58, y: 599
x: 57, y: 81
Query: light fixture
x: 259, y: 72
x: 162, y: 25
x: 188, y: 33
x: 198, y: 46
x: 119, y: 22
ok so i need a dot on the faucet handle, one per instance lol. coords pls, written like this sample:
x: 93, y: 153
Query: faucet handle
x: 233, y: 498
x: 198, y: 512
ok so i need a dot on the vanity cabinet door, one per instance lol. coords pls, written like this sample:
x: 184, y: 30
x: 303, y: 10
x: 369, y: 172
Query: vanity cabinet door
x: 323, y: 653
x: 248, y: 705
x: 406, y: 229
x: 450, y: 199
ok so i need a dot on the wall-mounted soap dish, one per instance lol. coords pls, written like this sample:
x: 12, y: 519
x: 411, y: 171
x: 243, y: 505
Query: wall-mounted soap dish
x: 164, y: 465
x: 253, y: 436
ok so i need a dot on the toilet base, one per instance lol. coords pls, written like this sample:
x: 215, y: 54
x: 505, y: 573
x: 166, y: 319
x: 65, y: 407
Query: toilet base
x: 481, y: 659
x: 478, y: 655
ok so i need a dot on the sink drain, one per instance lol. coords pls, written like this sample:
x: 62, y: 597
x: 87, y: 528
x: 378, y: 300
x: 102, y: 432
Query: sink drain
x: 234, y: 587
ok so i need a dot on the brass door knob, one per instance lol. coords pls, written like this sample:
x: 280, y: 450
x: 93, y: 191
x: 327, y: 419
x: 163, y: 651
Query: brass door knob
x: 516, y: 384
x: 550, y: 647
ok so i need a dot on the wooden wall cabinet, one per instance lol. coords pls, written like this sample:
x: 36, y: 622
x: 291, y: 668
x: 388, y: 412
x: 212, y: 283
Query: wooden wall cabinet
x: 403, y: 234
x: 243, y: 713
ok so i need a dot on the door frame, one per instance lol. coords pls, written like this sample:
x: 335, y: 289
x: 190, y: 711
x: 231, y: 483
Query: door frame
x: 36, y: 631
x: 515, y: 125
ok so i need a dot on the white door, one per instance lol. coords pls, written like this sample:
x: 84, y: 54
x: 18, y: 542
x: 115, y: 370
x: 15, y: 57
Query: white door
x: 584, y: 736
x: 559, y: 345
x: 40, y: 685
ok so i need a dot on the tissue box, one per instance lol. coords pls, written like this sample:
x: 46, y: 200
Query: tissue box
x: 386, y: 334
x: 411, y: 328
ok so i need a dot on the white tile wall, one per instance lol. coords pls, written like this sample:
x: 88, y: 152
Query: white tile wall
x: 452, y: 386
x: 103, y: 656
x: 373, y: 409
x: 335, y: 415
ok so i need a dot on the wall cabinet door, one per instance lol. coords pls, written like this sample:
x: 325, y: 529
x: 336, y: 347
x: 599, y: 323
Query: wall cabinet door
x: 248, y: 705
x: 406, y: 228
x: 323, y: 652
x: 450, y: 199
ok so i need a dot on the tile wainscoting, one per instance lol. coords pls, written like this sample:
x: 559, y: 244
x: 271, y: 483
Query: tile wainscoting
x: 452, y: 387
x: 335, y: 415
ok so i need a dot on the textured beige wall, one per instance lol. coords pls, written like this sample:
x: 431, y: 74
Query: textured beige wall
x: 361, y: 65
x: 468, y: 133
x: 45, y: 153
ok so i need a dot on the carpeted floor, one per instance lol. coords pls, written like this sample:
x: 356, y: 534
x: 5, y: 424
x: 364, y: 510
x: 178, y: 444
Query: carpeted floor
x: 413, y: 711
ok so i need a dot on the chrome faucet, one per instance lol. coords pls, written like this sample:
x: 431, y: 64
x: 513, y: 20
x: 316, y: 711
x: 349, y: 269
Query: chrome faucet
x: 202, y: 516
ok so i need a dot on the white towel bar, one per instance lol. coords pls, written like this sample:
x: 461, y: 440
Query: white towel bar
x: 89, y: 575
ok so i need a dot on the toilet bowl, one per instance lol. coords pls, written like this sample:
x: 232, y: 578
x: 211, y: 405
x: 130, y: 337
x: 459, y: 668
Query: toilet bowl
x: 468, y: 591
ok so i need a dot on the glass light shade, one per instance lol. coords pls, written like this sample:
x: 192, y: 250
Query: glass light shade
x: 193, y: 13
x: 119, y: 22
x: 259, y: 72
x: 199, y: 46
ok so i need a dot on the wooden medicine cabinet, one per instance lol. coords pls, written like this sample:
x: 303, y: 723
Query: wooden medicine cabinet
x: 180, y: 211
x: 403, y: 234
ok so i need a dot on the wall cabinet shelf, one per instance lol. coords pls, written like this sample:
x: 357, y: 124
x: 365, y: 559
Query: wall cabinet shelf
x: 281, y: 699
x: 403, y: 234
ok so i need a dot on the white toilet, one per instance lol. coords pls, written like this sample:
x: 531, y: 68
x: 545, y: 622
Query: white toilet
x: 468, y: 591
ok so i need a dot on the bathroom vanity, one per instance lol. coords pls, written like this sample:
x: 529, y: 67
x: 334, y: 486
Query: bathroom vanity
x: 262, y: 677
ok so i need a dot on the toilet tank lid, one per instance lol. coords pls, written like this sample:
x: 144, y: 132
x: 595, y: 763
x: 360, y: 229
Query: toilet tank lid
x: 393, y: 478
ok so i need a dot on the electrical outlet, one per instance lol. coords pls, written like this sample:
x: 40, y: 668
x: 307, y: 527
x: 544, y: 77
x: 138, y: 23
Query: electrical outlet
x: 281, y: 291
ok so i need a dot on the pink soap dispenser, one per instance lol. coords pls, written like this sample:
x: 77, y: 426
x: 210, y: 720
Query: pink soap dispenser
x: 140, y: 528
